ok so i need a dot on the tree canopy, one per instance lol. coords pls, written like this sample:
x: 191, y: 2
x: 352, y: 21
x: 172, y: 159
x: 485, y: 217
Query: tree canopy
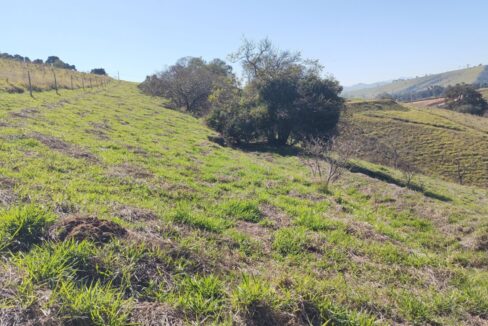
x: 466, y: 99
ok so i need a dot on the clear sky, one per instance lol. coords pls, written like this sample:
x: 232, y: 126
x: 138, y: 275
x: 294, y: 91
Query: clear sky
x: 356, y: 40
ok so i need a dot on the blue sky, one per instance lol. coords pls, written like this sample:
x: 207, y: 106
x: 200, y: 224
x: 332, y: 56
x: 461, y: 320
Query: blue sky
x: 356, y: 40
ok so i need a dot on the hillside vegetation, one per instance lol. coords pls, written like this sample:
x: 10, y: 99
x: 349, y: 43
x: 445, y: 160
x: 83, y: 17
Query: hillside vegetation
x: 433, y: 139
x: 478, y: 74
x: 117, y: 211
x: 14, y: 77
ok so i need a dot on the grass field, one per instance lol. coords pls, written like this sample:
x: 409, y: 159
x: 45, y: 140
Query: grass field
x: 118, y: 211
x: 431, y: 138
x: 14, y: 77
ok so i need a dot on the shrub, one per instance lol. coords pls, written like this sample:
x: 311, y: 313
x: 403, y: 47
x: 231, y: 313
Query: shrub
x: 20, y: 228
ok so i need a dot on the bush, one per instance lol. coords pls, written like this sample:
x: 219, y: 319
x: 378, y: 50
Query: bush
x: 99, y: 71
x: 20, y: 228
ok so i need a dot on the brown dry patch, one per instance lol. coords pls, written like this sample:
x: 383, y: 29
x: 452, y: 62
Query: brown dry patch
x: 155, y: 314
x: 311, y: 196
x: 256, y: 232
x: 104, y: 125
x: 482, y: 242
x: 11, y: 311
x: 63, y: 147
x: 280, y: 218
x: 100, y: 134
x: 86, y: 228
x: 7, y: 195
x: 365, y: 231
x: 138, y: 150
x: 134, y: 214
x: 128, y: 170
x: 25, y: 113
x: 261, y: 314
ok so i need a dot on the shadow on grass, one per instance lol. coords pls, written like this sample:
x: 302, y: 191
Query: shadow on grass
x: 389, y: 179
x: 285, y: 150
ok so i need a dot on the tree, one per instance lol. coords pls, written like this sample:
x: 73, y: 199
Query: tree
x: 58, y: 63
x: 188, y: 83
x: 295, y: 102
x: 465, y: 99
x: 328, y: 158
x: 99, y: 71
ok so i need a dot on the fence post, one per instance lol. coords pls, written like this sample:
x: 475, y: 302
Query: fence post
x: 30, y: 83
x: 83, y: 82
x: 72, y: 82
x: 91, y: 86
x: 55, y: 82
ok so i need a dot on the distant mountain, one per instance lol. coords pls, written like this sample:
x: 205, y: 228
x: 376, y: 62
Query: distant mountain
x: 478, y: 74
x: 361, y: 86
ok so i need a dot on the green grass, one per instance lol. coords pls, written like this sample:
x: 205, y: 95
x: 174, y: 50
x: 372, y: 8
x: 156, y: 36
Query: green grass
x: 23, y: 227
x: 232, y: 235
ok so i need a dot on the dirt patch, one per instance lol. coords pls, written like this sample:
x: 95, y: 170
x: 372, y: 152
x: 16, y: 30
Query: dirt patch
x: 25, y: 113
x: 155, y: 314
x: 7, y: 195
x: 100, y: 134
x: 134, y: 214
x: 280, y: 218
x: 128, y: 170
x: 365, y: 231
x: 311, y: 196
x: 86, y: 228
x: 482, y: 242
x: 63, y: 147
x: 137, y: 150
x: 261, y: 314
x: 104, y: 125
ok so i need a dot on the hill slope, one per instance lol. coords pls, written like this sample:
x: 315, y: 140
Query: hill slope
x: 478, y: 74
x: 433, y: 139
x: 14, y: 77
x: 194, y: 232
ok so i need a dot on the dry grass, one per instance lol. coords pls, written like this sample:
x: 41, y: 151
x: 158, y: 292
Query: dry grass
x: 14, y: 77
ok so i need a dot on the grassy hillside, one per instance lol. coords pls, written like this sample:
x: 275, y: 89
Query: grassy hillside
x: 430, y: 138
x: 14, y: 77
x: 118, y: 211
x: 468, y: 75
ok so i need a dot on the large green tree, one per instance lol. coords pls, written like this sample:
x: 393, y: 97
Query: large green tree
x: 285, y: 98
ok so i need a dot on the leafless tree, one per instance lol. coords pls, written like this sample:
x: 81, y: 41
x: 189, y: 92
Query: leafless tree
x: 328, y: 158
x: 462, y: 168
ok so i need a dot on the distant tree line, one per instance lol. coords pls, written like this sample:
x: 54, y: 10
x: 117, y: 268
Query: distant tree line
x: 53, y: 61
x: 284, y: 99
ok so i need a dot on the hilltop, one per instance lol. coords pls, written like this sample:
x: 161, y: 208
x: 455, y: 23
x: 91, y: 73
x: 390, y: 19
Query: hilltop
x: 14, y: 77
x: 478, y: 74
x: 116, y: 210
